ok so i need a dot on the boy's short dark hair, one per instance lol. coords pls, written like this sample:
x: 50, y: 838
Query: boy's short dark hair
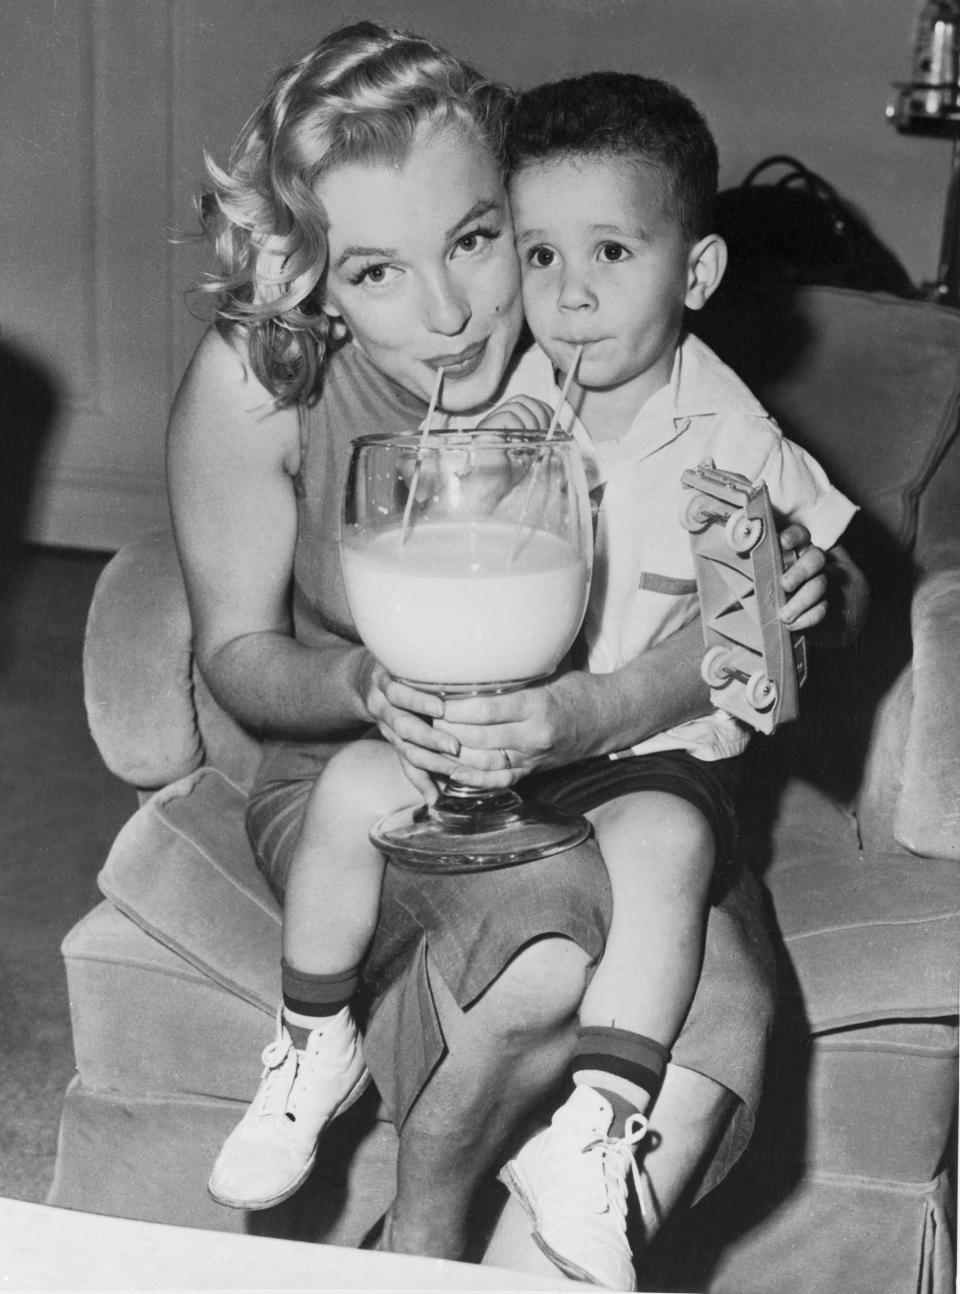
x: 620, y: 114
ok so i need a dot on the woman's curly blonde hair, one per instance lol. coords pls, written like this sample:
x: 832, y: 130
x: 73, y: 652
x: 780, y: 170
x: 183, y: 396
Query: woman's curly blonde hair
x: 360, y: 95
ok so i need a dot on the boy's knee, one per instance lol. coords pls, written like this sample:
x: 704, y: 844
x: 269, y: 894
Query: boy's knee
x: 658, y: 826
x: 364, y: 771
x: 355, y: 759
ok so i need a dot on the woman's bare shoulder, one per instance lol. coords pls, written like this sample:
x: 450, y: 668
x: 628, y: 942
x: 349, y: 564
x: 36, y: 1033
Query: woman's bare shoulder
x: 221, y: 400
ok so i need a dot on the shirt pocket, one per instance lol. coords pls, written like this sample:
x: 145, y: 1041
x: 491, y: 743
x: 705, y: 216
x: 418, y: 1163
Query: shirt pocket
x: 663, y: 599
x: 668, y: 571
x: 674, y: 586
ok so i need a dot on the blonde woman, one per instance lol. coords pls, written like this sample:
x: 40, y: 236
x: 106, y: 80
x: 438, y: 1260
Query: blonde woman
x: 365, y: 240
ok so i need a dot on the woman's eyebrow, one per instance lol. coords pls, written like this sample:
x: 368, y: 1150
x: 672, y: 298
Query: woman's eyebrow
x: 356, y: 250
x: 478, y: 209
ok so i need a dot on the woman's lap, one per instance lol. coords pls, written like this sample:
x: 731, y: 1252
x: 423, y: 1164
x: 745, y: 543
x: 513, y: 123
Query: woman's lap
x: 473, y: 924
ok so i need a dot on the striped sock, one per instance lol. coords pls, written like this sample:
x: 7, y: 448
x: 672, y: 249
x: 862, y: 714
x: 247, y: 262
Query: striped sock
x: 627, y: 1068
x: 309, y: 999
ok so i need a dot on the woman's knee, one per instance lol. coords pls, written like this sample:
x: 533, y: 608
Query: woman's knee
x: 542, y: 987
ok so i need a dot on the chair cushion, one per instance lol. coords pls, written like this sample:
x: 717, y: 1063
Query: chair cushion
x: 870, y: 384
x: 928, y: 815
x: 825, y: 1233
x: 149, y: 1157
x: 868, y: 940
x: 150, y: 712
x: 879, y: 1100
x: 145, y: 1021
x: 136, y: 666
x: 182, y: 869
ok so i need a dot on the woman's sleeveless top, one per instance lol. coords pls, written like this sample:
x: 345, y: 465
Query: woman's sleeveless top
x: 356, y: 400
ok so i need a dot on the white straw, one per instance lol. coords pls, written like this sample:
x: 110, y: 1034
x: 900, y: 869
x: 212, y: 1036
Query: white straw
x: 414, y: 480
x: 554, y: 423
x: 571, y: 372
x: 434, y: 401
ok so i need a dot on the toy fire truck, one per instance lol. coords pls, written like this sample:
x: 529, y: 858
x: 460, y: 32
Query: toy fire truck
x: 754, y: 666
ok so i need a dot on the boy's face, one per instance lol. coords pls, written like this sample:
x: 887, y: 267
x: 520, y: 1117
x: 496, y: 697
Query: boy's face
x: 604, y: 264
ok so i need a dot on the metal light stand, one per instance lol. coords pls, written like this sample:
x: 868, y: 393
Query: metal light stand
x: 930, y: 107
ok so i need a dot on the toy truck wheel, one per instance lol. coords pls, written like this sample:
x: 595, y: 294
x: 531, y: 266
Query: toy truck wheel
x: 743, y: 532
x: 761, y: 691
x: 713, y: 668
x: 693, y: 513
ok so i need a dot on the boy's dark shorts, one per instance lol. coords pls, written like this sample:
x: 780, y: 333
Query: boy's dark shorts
x: 466, y: 928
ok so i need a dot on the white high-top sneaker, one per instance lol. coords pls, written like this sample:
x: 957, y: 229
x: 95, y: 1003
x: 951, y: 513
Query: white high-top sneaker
x: 273, y: 1148
x: 572, y: 1180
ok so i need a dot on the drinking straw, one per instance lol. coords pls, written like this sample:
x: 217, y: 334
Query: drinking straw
x: 554, y: 423
x: 571, y: 372
x: 428, y: 420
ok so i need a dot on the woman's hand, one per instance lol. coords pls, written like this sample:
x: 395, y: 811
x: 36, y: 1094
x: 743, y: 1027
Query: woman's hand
x: 405, y: 718
x: 503, y: 738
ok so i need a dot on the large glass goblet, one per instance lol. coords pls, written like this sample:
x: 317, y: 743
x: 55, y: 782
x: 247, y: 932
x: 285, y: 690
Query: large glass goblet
x: 466, y: 557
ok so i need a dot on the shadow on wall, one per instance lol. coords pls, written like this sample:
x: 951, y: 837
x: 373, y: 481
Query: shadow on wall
x: 29, y: 402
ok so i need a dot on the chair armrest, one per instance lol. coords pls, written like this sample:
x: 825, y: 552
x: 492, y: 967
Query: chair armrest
x: 137, y: 666
x: 907, y: 800
x: 927, y: 817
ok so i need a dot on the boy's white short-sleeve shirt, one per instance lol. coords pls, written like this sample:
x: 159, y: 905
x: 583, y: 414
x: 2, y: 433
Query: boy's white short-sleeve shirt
x: 644, y: 586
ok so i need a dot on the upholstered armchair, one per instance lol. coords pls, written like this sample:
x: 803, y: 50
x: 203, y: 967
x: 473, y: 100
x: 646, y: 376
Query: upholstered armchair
x: 848, y: 1184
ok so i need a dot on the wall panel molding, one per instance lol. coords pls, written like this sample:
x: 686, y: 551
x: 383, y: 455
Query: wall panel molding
x: 95, y: 92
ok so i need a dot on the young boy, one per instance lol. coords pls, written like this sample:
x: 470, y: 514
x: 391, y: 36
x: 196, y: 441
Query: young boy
x: 612, y: 179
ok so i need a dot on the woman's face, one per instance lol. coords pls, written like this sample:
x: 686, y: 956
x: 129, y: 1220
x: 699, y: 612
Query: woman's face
x: 422, y: 267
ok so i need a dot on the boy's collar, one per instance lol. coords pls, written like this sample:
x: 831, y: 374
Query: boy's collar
x: 701, y: 384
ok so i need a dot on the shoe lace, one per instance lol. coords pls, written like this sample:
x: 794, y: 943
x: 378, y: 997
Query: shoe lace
x: 274, y: 1093
x: 617, y: 1162
x: 308, y: 1062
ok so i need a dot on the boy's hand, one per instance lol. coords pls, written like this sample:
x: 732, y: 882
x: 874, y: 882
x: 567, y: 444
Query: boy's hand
x: 522, y: 413
x: 828, y: 592
x: 804, y: 581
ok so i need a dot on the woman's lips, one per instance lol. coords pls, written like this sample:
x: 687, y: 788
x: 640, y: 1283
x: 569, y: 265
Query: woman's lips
x: 463, y: 364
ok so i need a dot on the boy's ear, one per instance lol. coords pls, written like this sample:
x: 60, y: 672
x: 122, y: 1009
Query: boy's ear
x: 705, y: 267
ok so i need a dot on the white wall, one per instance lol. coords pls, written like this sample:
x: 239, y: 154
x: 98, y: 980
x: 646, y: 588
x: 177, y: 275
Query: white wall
x: 106, y: 103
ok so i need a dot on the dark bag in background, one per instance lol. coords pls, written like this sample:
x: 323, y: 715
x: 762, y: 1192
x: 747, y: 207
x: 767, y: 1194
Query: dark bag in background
x: 797, y: 229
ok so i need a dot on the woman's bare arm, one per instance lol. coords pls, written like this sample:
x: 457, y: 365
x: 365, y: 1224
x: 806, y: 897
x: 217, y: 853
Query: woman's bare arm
x: 231, y: 459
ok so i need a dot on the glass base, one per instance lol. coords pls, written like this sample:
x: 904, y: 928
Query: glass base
x: 471, y: 830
